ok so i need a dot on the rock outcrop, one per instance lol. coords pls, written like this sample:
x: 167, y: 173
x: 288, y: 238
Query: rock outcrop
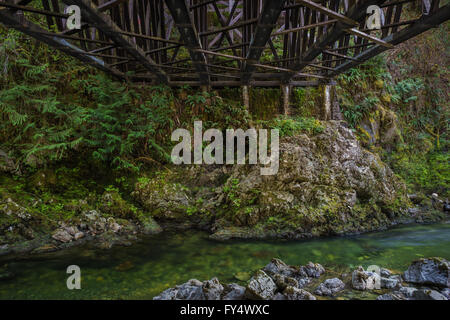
x: 327, y: 184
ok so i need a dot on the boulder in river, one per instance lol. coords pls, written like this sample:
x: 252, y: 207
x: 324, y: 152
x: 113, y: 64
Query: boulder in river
x: 191, y: 290
x: 234, y: 292
x: 292, y: 293
x: 261, y: 287
x: 212, y: 289
x: 329, y: 287
x: 434, y: 271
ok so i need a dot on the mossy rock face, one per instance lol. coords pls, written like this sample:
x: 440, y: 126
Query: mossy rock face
x: 380, y: 127
x: 113, y: 204
x: 164, y: 199
x: 326, y: 184
x: 42, y: 181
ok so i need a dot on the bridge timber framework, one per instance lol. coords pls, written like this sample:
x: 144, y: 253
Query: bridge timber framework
x: 260, y: 43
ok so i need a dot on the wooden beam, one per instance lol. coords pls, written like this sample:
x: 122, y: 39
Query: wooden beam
x: 110, y: 29
x: 356, y: 13
x: 366, y: 36
x: 21, y: 24
x: 420, y: 26
x: 330, y: 13
x: 270, y: 13
x: 189, y: 36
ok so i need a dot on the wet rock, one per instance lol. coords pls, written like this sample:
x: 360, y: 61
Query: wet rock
x: 313, y: 270
x: 78, y: 235
x: 434, y: 271
x: 191, y: 290
x: 292, y: 293
x: 212, y: 289
x: 234, y: 292
x: 72, y: 230
x: 115, y: 227
x: 386, y: 296
x: 428, y: 294
x: 446, y: 293
x: 279, y: 296
x: 364, y: 280
x: 385, y: 273
x: 389, y: 283
x: 284, y: 281
x: 260, y: 287
x: 276, y: 266
x: 62, y: 235
x: 329, y: 287
x: 407, y: 292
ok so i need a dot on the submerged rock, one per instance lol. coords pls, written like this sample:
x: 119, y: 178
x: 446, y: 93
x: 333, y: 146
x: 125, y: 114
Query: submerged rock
x: 329, y: 287
x: 434, y: 271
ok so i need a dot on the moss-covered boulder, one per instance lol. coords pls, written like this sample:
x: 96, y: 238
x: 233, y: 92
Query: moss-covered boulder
x: 162, y: 198
x: 327, y: 184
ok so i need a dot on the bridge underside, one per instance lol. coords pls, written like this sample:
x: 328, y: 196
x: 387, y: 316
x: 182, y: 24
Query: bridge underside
x: 263, y: 43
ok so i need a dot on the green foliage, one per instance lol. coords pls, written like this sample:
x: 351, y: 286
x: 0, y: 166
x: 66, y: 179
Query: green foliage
x: 116, y: 131
x: 403, y: 91
x: 291, y: 126
x: 429, y: 172
x: 355, y: 113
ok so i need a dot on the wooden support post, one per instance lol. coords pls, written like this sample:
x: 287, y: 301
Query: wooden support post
x: 286, y: 93
x: 246, y: 97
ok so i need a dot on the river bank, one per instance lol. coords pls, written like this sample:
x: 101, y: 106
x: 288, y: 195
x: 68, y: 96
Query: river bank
x: 327, y: 185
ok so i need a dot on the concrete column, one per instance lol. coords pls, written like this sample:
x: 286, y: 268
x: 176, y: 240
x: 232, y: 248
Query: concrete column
x: 286, y: 93
x: 326, y: 104
x: 246, y: 97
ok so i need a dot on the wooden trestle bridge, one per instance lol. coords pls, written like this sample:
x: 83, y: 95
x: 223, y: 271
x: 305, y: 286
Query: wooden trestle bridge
x: 262, y: 43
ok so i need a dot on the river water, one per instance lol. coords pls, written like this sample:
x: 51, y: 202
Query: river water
x: 156, y: 263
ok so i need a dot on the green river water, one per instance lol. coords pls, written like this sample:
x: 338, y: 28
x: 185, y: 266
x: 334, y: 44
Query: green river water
x: 156, y: 263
